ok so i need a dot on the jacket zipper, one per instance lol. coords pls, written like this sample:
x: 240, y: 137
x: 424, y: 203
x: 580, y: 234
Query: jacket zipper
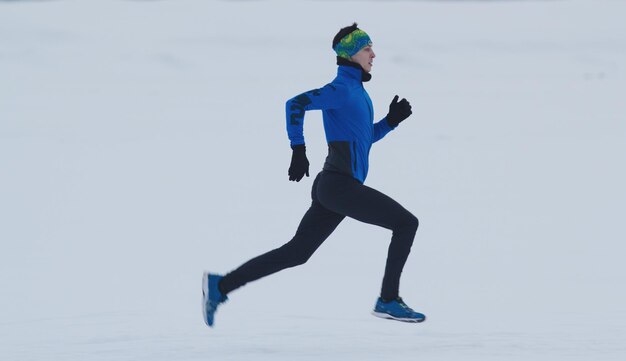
x: 354, y: 153
x: 369, y: 105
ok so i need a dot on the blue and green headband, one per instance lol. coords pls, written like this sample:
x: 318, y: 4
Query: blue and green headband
x: 352, y: 43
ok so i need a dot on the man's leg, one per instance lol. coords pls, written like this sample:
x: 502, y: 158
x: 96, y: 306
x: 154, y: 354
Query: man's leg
x: 345, y: 195
x: 316, y: 225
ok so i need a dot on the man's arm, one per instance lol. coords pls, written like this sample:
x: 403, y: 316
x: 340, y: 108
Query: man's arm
x: 398, y: 111
x: 381, y: 129
x: 331, y: 96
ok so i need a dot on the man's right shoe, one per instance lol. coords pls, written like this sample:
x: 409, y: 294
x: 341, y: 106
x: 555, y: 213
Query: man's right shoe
x: 396, y: 310
x: 211, y: 296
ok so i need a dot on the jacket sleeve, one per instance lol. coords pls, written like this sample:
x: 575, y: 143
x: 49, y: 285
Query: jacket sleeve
x: 331, y: 96
x: 381, y: 129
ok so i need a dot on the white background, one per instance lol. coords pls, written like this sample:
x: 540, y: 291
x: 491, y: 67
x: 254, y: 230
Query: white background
x: 143, y: 142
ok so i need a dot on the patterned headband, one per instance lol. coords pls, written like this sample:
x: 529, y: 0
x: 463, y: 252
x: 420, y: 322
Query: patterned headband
x: 352, y: 43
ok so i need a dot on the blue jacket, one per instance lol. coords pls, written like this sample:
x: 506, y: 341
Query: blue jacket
x: 348, y: 122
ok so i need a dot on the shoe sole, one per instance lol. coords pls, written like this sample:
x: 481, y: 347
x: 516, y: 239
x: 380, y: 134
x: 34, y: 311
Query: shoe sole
x: 390, y: 317
x: 205, y: 295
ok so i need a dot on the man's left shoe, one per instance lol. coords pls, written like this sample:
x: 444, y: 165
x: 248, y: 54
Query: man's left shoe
x: 211, y: 296
x: 396, y: 310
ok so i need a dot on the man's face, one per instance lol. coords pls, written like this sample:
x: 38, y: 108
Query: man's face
x: 365, y: 58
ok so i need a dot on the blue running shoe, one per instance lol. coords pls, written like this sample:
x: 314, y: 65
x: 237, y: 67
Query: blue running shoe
x: 396, y: 310
x: 211, y: 296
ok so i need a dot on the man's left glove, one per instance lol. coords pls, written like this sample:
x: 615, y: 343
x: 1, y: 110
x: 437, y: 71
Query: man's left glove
x: 398, y: 111
x: 299, y: 163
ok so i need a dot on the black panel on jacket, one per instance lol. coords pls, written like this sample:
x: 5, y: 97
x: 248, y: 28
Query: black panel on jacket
x: 339, y: 159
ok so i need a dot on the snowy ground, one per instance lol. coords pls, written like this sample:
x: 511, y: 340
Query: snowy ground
x: 142, y: 142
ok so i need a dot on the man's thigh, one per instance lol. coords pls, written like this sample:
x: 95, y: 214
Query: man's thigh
x: 355, y: 200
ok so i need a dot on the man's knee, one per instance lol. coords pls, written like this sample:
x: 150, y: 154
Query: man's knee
x: 297, y: 256
x: 300, y: 259
x: 405, y: 229
x: 413, y: 222
x: 408, y: 223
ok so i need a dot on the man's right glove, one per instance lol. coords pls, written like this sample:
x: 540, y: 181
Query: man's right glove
x: 398, y: 111
x: 299, y: 163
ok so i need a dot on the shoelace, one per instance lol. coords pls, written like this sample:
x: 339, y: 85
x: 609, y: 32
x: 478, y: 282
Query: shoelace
x: 404, y: 305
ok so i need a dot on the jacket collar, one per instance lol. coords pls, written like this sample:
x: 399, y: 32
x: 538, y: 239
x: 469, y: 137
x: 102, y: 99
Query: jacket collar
x: 352, y: 70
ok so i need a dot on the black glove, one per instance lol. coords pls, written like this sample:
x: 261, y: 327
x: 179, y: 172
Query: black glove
x: 299, y: 164
x: 398, y: 111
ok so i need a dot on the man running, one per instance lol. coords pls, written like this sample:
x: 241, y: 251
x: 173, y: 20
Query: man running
x: 338, y: 190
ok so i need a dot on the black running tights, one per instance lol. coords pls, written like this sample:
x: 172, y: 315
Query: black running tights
x: 336, y: 196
